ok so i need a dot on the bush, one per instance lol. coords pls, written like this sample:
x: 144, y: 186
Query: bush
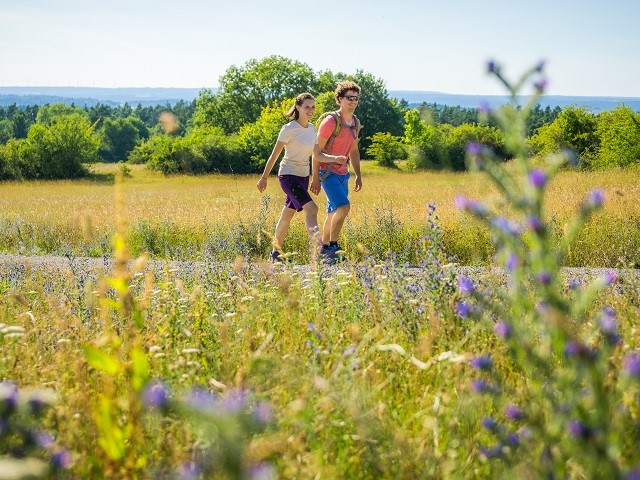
x: 574, y: 129
x: 56, y: 150
x: 386, y: 149
x: 619, y: 137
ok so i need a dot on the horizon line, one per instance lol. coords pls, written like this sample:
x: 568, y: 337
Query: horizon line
x: 388, y: 90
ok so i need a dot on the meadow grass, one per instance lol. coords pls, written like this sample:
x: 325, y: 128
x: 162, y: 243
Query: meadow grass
x: 223, y: 216
x: 367, y: 370
x: 364, y: 371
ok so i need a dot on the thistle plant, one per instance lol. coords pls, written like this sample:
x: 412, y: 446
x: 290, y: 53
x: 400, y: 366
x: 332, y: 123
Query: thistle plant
x: 577, y: 407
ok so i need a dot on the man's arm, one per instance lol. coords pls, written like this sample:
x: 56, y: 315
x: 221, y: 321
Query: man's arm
x: 354, y: 156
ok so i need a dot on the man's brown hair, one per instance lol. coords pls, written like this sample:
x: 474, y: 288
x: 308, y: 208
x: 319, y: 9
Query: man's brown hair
x: 344, y: 87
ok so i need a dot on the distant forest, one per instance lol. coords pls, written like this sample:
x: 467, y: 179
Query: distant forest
x: 233, y: 129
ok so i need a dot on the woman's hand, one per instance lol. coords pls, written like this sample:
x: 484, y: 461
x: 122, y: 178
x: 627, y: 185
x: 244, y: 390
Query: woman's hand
x: 315, y: 185
x: 262, y: 184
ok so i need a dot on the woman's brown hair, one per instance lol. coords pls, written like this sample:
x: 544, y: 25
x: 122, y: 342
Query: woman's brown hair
x: 293, y: 113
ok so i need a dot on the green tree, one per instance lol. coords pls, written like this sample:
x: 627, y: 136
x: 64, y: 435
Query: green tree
x: 59, y: 149
x: 619, y: 138
x: 426, y: 142
x: 6, y: 130
x: 20, y: 125
x: 257, y: 138
x: 118, y: 137
x: 48, y: 114
x: 574, y: 129
x: 246, y: 90
x: 376, y: 110
x: 386, y: 149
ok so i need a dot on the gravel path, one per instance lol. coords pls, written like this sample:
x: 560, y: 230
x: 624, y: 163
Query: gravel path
x: 50, y: 263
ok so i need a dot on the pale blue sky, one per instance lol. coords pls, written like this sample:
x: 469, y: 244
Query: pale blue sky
x: 591, y: 47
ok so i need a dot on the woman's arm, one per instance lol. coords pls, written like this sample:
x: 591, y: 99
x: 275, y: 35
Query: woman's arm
x: 277, y: 150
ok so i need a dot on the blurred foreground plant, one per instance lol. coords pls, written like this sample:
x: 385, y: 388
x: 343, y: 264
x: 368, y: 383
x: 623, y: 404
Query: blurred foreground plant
x: 578, y: 414
x: 23, y: 442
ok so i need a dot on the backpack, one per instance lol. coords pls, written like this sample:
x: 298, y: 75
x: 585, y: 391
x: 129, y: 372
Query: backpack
x: 336, y: 116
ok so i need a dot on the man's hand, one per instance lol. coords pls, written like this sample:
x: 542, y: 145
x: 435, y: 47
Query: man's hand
x: 358, y: 186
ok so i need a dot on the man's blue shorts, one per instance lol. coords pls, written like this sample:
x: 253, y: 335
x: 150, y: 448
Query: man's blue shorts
x: 336, y: 188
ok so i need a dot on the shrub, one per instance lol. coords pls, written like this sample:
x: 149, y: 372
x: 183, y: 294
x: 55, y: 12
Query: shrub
x: 619, y: 137
x: 59, y: 149
x: 386, y: 149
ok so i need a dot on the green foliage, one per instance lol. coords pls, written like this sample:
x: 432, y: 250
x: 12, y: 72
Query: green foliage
x: 119, y: 136
x: 443, y: 146
x: 257, y: 138
x: 203, y: 150
x: 6, y: 130
x: 56, y: 150
x: 246, y: 90
x: 48, y: 114
x: 386, y: 149
x: 574, y: 129
x: 618, y: 133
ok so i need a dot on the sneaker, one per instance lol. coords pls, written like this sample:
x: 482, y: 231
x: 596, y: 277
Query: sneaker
x: 274, y: 257
x: 332, y: 254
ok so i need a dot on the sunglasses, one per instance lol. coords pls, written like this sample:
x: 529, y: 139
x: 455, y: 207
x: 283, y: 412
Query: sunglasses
x: 352, y: 98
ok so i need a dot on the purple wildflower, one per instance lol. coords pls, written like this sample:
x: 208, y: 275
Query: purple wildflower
x: 535, y: 223
x: 578, y: 429
x: 235, y: 400
x: 465, y: 285
x: 462, y: 309
x: 538, y: 177
x: 541, y: 85
x: 502, y: 329
x: 8, y: 397
x: 474, y: 207
x: 574, y: 349
x: 631, y: 365
x: 609, y: 325
x: 595, y: 199
x: 262, y: 471
x: 512, y: 262
x: 633, y: 474
x: 474, y: 148
x: 484, y: 107
x: 513, y: 439
x: 481, y: 363
x: 544, y: 277
x: 491, y: 452
x: 200, y: 399
x: 155, y: 395
x: 542, y: 306
x: 263, y: 412
x: 349, y: 351
x: 492, y: 67
x: 513, y: 412
x: 490, y: 424
x: 506, y: 226
x: 540, y: 66
x: 61, y: 459
x: 610, y: 277
x: 44, y: 440
x: 573, y: 284
x: 482, y: 386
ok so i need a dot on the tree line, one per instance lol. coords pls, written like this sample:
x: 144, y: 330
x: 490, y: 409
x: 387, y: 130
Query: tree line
x: 233, y: 129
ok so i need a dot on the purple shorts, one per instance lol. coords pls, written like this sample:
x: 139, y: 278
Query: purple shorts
x: 297, y: 190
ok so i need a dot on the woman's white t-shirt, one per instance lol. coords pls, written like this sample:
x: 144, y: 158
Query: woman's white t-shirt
x: 299, y: 143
